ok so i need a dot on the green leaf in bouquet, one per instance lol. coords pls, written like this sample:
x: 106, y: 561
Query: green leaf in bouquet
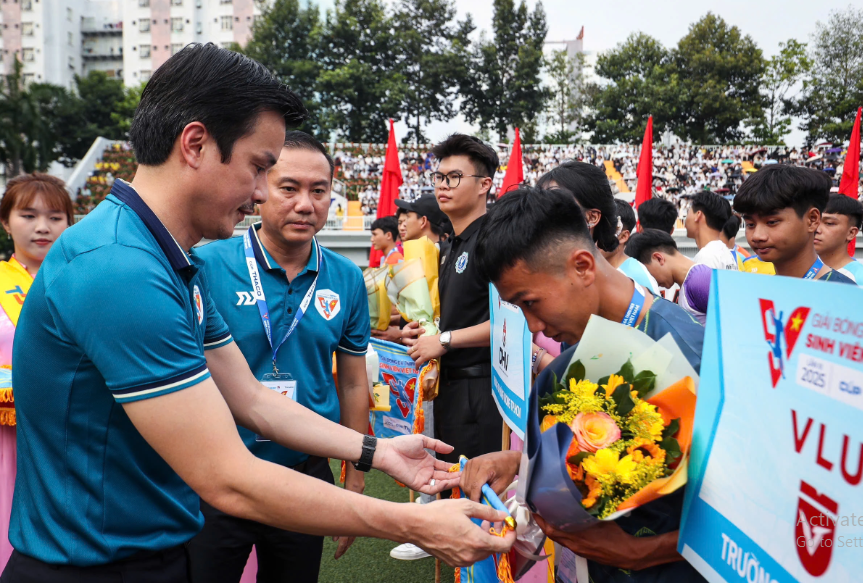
x: 603, y: 380
x: 599, y: 392
x: 623, y: 399
x: 556, y: 384
x: 672, y: 450
x: 672, y: 428
x: 626, y: 434
x: 644, y: 382
x: 627, y: 371
x: 577, y: 458
x: 598, y: 508
x: 575, y: 371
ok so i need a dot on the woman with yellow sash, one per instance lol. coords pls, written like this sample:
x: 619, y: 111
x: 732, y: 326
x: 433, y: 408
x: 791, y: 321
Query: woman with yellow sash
x: 34, y: 211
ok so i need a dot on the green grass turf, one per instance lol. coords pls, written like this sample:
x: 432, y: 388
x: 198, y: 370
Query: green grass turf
x: 368, y: 560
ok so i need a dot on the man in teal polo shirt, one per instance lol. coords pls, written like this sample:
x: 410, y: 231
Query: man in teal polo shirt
x: 293, y: 270
x: 128, y: 384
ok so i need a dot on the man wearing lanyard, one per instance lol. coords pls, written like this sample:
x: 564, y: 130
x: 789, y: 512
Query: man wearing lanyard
x: 465, y: 414
x: 130, y: 383
x: 781, y: 207
x: 536, y: 249
x: 290, y: 304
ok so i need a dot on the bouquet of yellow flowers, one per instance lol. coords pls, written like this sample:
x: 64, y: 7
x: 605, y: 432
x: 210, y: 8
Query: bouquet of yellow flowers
x: 621, y: 442
x: 614, y: 433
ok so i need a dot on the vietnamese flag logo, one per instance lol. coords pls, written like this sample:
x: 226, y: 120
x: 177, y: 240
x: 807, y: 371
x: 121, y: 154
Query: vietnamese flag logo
x: 776, y: 328
x: 815, y: 530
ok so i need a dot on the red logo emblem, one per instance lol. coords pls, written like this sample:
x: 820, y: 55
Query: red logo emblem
x: 504, y: 332
x: 816, y: 529
x: 775, y: 329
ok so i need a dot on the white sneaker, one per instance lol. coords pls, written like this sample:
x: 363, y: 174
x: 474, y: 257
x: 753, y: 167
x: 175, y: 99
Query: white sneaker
x: 408, y: 552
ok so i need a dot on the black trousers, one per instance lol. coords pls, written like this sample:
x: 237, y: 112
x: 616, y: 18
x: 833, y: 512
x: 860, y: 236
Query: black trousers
x: 169, y: 566
x: 218, y: 554
x: 466, y: 417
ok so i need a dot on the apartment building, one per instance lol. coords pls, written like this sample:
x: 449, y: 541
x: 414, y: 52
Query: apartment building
x: 128, y: 39
x: 153, y: 30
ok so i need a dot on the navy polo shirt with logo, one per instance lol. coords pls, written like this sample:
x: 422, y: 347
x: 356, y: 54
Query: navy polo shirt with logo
x: 117, y: 313
x: 337, y: 320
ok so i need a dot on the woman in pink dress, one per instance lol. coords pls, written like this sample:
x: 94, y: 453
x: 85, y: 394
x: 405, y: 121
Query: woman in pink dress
x: 34, y: 211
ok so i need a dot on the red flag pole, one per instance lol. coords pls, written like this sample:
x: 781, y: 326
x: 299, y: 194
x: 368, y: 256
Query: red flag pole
x: 850, y: 180
x: 514, y: 168
x: 644, y: 189
x: 390, y: 183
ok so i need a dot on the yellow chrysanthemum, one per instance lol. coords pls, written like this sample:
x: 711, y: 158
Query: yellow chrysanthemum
x: 607, y: 463
x: 614, y: 381
x: 584, y: 387
x: 646, y: 421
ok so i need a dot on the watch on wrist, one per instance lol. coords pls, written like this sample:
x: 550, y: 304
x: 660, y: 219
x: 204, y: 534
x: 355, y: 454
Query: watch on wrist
x: 369, y: 445
x: 446, y: 339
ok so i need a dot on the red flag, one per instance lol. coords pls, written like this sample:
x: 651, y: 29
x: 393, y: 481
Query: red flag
x: 851, y: 173
x: 644, y: 190
x: 514, y: 168
x: 390, y: 182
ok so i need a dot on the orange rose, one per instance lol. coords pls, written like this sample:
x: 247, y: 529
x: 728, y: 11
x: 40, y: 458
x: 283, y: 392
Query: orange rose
x: 594, y: 431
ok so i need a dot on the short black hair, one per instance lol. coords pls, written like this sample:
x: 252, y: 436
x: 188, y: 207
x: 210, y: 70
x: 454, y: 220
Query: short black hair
x: 715, y: 208
x: 481, y: 155
x: 731, y: 226
x: 525, y: 225
x: 644, y: 244
x: 302, y: 141
x: 591, y: 189
x: 223, y: 90
x: 781, y: 186
x: 658, y: 213
x: 841, y: 204
x: 387, y: 225
x: 625, y: 214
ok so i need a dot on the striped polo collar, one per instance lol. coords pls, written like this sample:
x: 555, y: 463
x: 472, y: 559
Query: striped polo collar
x: 263, y: 257
x: 178, y: 258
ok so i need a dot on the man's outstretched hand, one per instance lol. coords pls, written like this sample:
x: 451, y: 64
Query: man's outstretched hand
x: 405, y: 459
x: 495, y: 469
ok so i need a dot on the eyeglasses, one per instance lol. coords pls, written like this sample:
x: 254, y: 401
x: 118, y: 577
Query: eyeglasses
x: 453, y: 179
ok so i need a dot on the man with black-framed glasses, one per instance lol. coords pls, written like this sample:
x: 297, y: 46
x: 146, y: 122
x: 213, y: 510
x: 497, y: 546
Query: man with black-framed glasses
x: 464, y: 411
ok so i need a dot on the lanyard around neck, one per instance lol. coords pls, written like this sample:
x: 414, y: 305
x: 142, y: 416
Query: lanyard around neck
x: 636, y: 304
x: 261, y: 300
x: 816, y: 267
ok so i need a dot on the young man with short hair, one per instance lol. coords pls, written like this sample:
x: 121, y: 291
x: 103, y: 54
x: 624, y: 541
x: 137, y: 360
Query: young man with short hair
x: 538, y: 252
x: 704, y: 222
x: 147, y: 383
x: 657, y: 213
x: 385, y: 236
x: 658, y: 252
x: 290, y: 266
x: 840, y: 222
x: 618, y: 258
x: 781, y: 207
x: 421, y: 218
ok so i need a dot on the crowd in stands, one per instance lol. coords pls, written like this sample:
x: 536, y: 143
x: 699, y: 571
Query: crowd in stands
x: 679, y: 171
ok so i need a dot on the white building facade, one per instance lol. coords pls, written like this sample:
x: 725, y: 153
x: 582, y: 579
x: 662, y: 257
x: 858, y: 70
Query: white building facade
x: 153, y: 30
x: 127, y: 39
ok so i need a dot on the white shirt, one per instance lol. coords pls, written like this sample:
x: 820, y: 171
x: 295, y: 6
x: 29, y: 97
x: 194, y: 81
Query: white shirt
x: 716, y: 255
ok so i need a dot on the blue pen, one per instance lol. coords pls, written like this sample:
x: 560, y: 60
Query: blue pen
x: 491, y: 498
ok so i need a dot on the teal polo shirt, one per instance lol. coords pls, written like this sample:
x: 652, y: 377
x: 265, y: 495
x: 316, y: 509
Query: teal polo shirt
x: 337, y: 320
x: 117, y: 313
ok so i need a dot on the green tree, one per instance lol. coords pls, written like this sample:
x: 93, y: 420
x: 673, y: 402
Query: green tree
x: 719, y: 72
x: 638, y: 81
x: 834, y: 91
x: 361, y: 85
x: 27, y: 138
x: 287, y: 40
x: 124, y: 110
x: 433, y: 60
x: 569, y: 96
x: 504, y: 88
x: 783, y: 73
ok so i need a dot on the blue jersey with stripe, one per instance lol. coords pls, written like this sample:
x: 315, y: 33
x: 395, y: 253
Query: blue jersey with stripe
x: 117, y: 313
x: 337, y: 320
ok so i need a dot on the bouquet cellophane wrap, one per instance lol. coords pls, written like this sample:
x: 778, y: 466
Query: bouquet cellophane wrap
x: 412, y: 287
x: 380, y: 306
x: 603, y: 349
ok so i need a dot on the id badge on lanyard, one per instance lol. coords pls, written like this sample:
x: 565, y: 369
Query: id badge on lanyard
x: 282, y: 383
